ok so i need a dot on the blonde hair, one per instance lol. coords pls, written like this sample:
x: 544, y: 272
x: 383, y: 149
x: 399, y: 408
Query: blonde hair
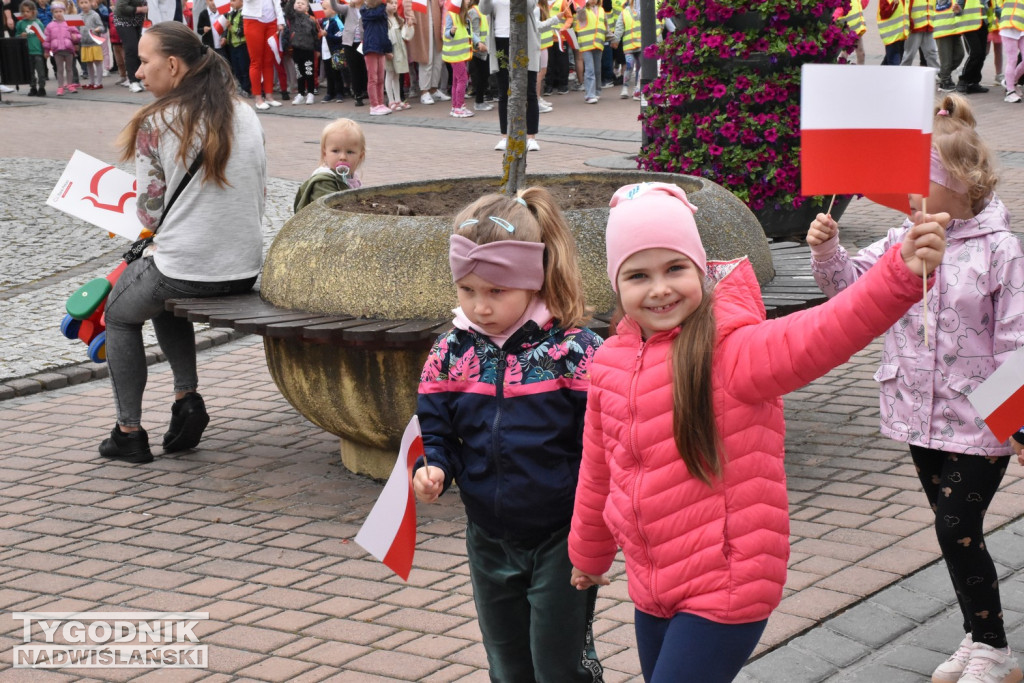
x: 536, y: 219
x: 342, y: 126
x: 962, y: 151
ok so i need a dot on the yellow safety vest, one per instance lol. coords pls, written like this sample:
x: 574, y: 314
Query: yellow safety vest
x: 896, y: 27
x: 547, y: 34
x: 948, y: 24
x: 855, y: 18
x: 459, y: 47
x: 586, y: 32
x: 485, y: 29
x: 1012, y: 15
x: 602, y: 28
x: 922, y: 14
x: 631, y: 31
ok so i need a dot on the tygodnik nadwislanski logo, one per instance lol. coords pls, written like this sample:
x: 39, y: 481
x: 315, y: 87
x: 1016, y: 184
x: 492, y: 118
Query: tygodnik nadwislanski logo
x: 128, y: 640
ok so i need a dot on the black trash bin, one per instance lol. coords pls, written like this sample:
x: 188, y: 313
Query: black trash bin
x: 15, y: 68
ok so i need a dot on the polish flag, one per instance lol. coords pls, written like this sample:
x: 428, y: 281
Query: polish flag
x: 318, y: 10
x: 223, y: 6
x: 568, y: 36
x: 419, y: 6
x: 1000, y: 399
x: 98, y: 38
x: 36, y: 31
x: 75, y: 20
x: 866, y: 129
x: 272, y: 42
x: 220, y: 25
x: 389, y: 532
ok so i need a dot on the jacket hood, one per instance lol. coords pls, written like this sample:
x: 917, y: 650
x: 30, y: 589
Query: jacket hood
x: 993, y: 218
x: 737, y: 300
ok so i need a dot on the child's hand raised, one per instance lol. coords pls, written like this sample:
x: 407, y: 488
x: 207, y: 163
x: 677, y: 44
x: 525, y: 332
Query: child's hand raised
x: 925, y: 243
x: 822, y: 229
x: 583, y: 581
x: 428, y: 483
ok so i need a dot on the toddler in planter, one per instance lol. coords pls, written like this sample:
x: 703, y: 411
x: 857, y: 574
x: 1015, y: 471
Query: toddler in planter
x: 976, y: 321
x: 342, y: 151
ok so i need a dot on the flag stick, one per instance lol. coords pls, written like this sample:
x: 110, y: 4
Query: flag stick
x: 924, y: 279
x: 829, y: 212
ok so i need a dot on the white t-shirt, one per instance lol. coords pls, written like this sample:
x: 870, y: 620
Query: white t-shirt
x: 502, y: 18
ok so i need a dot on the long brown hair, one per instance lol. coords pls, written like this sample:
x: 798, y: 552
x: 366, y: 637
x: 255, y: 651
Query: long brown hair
x: 693, y: 411
x: 203, y: 103
x: 536, y: 219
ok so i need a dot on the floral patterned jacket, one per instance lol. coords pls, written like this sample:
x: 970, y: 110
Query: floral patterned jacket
x: 507, y: 424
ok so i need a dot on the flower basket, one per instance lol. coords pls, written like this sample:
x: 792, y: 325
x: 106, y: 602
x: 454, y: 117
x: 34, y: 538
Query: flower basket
x: 726, y: 105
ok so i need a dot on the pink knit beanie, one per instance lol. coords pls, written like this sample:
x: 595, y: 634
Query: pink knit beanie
x: 651, y: 216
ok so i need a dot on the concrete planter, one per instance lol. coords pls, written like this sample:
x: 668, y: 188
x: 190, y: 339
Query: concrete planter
x: 330, y: 258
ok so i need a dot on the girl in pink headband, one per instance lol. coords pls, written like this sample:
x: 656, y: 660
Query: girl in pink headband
x: 501, y: 405
x: 977, y: 314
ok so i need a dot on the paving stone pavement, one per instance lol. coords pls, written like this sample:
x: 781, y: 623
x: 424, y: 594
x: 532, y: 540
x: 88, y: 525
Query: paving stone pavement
x: 256, y: 526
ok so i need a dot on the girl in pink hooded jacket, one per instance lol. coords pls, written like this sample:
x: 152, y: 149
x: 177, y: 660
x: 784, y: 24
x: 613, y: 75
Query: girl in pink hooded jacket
x: 684, y: 435
x: 975, y: 320
x: 60, y: 40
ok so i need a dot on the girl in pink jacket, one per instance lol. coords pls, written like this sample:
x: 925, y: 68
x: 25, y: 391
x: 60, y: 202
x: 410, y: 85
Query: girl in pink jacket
x: 975, y: 320
x: 60, y: 40
x: 684, y: 435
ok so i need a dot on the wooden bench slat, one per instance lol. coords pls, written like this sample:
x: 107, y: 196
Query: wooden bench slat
x: 258, y: 324
x: 226, y: 316
x: 413, y: 330
x: 295, y: 328
x: 372, y: 331
x: 175, y: 304
x: 330, y: 333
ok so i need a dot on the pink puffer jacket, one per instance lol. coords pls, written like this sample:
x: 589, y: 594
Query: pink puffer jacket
x: 718, y: 552
x: 59, y: 36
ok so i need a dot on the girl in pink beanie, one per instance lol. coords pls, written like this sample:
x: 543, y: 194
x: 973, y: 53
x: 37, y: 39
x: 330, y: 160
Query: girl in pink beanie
x: 684, y: 433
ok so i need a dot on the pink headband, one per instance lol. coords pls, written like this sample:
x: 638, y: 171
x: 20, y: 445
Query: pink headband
x: 506, y: 263
x: 939, y: 174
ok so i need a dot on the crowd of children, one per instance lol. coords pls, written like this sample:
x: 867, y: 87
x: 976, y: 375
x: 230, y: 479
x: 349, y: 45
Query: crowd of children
x: 949, y: 35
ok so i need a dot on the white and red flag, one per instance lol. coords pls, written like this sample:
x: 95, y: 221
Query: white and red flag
x: 36, y: 31
x: 272, y: 42
x: 389, y: 532
x: 220, y: 25
x: 317, y: 8
x: 99, y: 38
x: 419, y: 6
x: 1000, y: 399
x: 223, y: 6
x: 866, y: 130
x: 74, y: 20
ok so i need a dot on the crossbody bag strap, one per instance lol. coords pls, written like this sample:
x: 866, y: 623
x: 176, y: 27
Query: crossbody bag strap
x: 192, y: 170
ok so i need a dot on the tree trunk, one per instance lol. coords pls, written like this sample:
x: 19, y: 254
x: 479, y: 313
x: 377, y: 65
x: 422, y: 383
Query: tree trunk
x: 514, y: 175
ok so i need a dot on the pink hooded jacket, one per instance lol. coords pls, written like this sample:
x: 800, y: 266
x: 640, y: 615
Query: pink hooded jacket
x: 975, y: 320
x: 719, y: 551
x: 59, y: 36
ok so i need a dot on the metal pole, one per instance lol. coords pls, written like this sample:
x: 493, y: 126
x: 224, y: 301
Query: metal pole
x: 648, y: 36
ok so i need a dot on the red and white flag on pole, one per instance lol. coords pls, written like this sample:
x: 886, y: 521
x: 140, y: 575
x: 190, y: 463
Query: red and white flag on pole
x: 98, y: 38
x: 866, y: 130
x: 223, y: 6
x: 1000, y: 399
x: 74, y: 20
x: 419, y: 6
x: 220, y: 25
x: 36, y: 31
x: 317, y: 8
x: 272, y: 42
x: 569, y: 36
x: 389, y: 532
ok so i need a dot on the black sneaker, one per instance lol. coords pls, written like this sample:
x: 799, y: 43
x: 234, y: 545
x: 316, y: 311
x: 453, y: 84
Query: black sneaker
x: 130, y: 447
x: 188, y: 420
x: 972, y: 89
x: 359, y: 101
x: 947, y: 86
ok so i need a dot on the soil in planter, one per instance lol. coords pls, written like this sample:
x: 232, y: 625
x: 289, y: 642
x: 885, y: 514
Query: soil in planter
x: 588, y: 195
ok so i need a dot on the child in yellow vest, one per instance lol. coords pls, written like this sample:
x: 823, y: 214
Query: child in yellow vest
x: 627, y: 33
x: 457, y: 50
x: 590, y: 31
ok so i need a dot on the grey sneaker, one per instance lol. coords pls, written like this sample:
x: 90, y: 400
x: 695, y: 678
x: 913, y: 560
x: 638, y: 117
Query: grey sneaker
x: 989, y: 665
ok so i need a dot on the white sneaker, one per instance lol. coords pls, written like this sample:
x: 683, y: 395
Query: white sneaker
x: 310, y: 99
x: 591, y: 100
x: 502, y: 144
x: 951, y: 669
x: 6, y: 88
x: 425, y: 98
x: 989, y: 665
x: 126, y: 83
x: 532, y: 145
x: 625, y: 94
x: 299, y: 99
x: 544, y: 103
x: 274, y: 103
x: 1011, y: 97
x: 483, y: 106
x: 440, y: 96
x: 135, y: 87
x: 263, y: 106
x: 544, y: 109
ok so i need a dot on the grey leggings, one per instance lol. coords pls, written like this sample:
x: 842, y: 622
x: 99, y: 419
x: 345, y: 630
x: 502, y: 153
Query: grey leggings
x: 138, y: 296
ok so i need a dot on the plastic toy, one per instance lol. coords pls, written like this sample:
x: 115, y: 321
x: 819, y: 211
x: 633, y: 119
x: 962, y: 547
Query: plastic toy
x: 85, y: 311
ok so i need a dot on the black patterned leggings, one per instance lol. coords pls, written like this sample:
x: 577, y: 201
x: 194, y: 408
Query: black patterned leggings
x: 959, y: 489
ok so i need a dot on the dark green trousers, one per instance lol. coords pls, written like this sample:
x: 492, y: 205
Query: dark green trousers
x: 536, y: 627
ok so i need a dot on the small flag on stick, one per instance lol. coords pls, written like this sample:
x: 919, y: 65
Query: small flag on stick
x: 272, y: 42
x: 866, y: 130
x: 419, y: 6
x: 1000, y: 399
x: 389, y: 532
